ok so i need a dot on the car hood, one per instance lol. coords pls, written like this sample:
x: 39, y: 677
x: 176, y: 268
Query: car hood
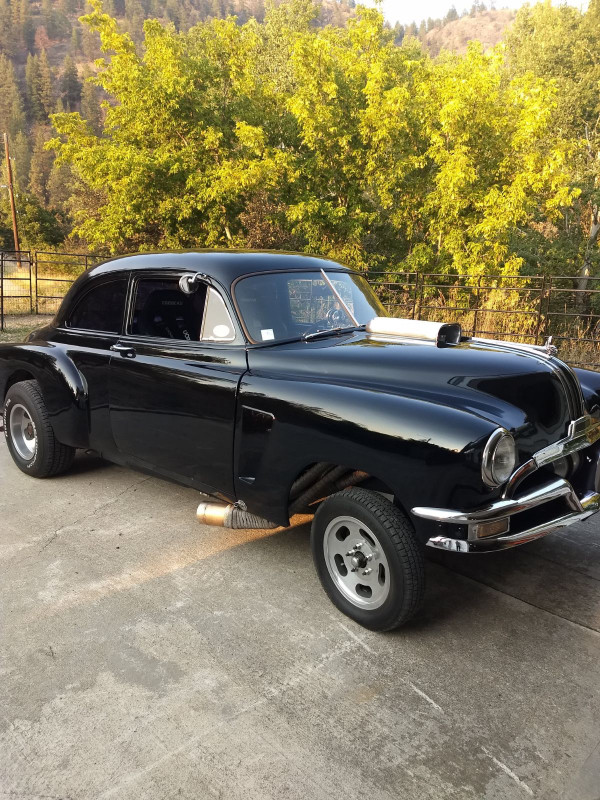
x: 528, y: 393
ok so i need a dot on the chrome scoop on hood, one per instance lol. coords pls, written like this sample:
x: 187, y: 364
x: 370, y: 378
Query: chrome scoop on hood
x: 438, y: 332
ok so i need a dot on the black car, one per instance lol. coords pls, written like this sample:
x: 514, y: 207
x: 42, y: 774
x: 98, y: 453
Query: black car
x: 278, y: 384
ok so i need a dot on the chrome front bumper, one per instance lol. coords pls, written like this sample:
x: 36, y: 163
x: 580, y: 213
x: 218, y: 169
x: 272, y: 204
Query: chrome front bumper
x: 581, y: 508
x: 569, y: 509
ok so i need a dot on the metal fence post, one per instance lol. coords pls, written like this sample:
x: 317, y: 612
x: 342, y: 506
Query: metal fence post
x: 477, y: 296
x: 540, y: 310
x: 35, y: 262
x: 30, y: 283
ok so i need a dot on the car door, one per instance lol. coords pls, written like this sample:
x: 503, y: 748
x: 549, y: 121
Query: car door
x: 89, y: 328
x: 173, y: 382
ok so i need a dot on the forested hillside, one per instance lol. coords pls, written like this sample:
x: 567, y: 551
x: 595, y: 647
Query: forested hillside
x: 303, y: 127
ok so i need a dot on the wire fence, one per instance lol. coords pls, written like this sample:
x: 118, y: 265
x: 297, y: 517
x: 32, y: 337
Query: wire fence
x: 521, y: 308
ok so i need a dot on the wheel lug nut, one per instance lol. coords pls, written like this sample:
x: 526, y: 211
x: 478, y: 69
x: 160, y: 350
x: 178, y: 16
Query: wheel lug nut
x: 367, y: 571
x: 358, y: 545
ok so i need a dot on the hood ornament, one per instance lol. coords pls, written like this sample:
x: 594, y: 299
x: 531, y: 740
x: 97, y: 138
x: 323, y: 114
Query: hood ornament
x: 550, y: 349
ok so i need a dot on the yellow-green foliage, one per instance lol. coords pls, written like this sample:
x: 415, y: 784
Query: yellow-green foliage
x: 334, y: 140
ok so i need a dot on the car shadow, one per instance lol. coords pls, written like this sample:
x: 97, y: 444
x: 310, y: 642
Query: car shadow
x: 559, y: 575
x: 85, y: 461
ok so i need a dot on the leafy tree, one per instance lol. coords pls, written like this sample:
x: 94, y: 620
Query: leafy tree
x: 562, y: 46
x: 334, y: 139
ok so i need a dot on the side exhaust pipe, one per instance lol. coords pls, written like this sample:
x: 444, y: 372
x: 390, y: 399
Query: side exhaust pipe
x: 231, y: 516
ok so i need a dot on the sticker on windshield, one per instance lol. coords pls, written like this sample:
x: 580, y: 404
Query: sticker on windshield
x: 267, y: 333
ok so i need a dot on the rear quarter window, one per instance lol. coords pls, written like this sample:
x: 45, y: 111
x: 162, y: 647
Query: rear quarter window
x: 100, y: 308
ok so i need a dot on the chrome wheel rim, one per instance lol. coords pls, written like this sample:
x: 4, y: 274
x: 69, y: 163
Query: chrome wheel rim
x: 356, y: 562
x: 22, y: 432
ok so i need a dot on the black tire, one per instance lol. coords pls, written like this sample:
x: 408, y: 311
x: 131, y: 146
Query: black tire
x: 389, y: 529
x: 50, y: 457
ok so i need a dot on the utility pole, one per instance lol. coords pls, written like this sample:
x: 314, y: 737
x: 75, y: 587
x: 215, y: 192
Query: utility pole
x: 11, y: 194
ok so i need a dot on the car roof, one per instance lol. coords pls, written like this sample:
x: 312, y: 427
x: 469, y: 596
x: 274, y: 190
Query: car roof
x: 224, y: 266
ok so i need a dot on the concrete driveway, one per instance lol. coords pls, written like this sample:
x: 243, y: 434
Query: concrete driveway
x: 145, y: 656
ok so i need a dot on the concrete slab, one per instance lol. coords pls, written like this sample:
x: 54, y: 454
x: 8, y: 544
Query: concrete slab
x: 145, y: 656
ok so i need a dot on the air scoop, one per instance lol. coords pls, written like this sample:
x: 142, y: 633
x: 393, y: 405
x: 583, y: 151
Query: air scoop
x: 438, y: 332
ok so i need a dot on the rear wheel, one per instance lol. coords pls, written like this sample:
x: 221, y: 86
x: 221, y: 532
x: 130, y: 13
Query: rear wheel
x: 29, y: 435
x: 368, y: 559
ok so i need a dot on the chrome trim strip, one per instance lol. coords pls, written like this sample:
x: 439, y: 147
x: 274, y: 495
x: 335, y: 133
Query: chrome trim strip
x: 518, y: 475
x: 547, y: 349
x: 498, y: 508
x: 583, y: 432
x: 590, y: 505
x: 546, y: 355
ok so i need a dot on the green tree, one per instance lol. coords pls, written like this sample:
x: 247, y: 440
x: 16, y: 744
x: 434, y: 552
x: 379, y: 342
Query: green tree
x: 33, y: 89
x: 561, y: 46
x: 12, y: 117
x: 70, y: 85
x: 46, y: 88
x: 40, y: 167
x: 90, y: 106
x: 21, y: 152
x: 327, y: 139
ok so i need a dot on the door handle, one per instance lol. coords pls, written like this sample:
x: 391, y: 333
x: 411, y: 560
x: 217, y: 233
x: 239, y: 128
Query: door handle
x: 123, y: 349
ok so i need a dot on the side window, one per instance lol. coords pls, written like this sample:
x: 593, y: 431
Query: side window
x: 101, y: 308
x: 161, y: 310
x: 216, y: 325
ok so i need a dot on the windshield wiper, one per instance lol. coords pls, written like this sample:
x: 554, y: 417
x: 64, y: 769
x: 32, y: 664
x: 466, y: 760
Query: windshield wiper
x: 331, y: 331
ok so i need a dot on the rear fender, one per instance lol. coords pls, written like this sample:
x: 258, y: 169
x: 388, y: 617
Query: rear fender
x: 63, y: 387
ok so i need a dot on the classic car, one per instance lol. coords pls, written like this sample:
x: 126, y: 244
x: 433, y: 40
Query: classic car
x: 277, y: 384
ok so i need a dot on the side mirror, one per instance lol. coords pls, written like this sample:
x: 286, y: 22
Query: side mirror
x: 189, y: 282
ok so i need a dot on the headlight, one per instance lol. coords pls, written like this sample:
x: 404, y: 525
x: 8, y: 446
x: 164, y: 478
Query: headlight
x: 499, y: 458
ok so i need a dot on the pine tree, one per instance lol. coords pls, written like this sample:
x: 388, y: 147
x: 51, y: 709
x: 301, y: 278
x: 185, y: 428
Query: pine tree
x: 46, y: 87
x: 32, y: 83
x: 90, y: 106
x: 7, y: 38
x: 90, y: 44
x: 41, y: 166
x: 21, y: 152
x: 75, y: 45
x: 12, y: 117
x: 27, y: 26
x: 70, y: 85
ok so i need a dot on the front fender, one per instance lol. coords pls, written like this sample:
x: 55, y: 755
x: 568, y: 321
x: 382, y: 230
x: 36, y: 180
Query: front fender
x: 417, y: 448
x: 63, y: 387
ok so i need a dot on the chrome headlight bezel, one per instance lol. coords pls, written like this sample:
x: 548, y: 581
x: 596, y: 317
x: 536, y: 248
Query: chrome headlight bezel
x: 490, y: 470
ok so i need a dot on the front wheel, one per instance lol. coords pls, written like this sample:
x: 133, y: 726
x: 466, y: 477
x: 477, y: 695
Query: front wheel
x: 368, y: 559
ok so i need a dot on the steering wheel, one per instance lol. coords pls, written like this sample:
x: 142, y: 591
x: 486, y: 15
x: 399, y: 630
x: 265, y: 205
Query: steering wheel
x: 336, y: 317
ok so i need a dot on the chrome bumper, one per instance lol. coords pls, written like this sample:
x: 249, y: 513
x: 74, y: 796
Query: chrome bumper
x: 507, y: 508
x: 582, y: 433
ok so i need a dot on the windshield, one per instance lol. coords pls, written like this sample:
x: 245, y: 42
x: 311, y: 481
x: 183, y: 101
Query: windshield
x: 289, y: 305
